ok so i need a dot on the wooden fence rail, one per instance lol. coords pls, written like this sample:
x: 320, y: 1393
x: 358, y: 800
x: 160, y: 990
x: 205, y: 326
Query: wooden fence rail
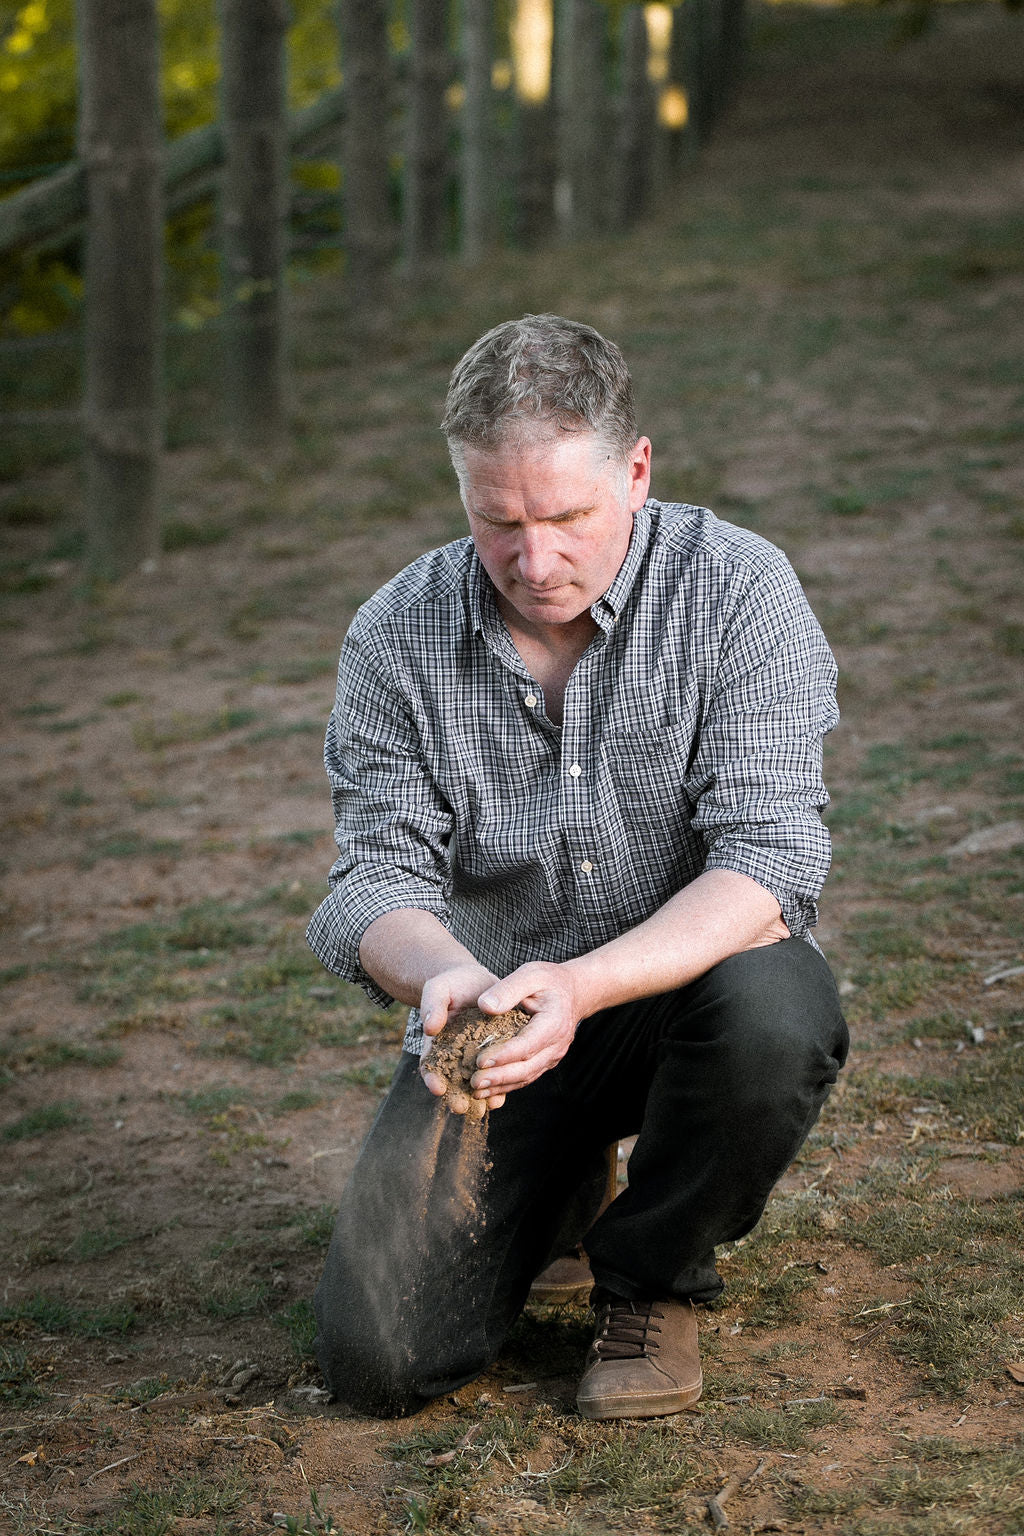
x: 581, y: 151
x: 52, y: 211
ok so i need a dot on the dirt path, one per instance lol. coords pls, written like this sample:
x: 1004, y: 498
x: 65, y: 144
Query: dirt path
x: 826, y: 330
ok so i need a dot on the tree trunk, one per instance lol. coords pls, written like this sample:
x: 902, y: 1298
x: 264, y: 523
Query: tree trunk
x: 254, y: 204
x: 580, y: 190
x: 477, y: 228
x: 120, y: 148
x: 534, y: 174
x: 678, y: 124
x: 637, y: 122
x: 368, y: 227
x: 426, y: 139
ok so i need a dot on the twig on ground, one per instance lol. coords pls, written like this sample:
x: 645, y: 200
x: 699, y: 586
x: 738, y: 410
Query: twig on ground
x: 111, y: 1465
x: 1013, y: 970
x: 718, y: 1516
x: 445, y: 1458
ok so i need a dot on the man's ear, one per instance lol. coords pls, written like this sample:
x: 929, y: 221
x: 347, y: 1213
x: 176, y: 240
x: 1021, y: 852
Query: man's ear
x: 638, y: 473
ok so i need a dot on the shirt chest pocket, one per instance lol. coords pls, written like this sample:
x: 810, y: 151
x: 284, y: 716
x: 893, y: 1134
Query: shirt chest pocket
x: 645, y: 772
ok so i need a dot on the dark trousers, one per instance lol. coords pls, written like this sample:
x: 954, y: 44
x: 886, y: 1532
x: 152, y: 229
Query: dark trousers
x: 443, y: 1225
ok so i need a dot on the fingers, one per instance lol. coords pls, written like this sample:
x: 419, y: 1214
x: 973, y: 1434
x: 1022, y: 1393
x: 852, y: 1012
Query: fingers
x: 434, y: 1081
x: 535, y: 1050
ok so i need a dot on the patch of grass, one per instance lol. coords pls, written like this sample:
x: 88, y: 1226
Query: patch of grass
x: 183, y: 533
x: 75, y: 798
x: 376, y: 1074
x: 630, y: 1467
x: 183, y: 728
x: 97, y: 1242
x: 319, y: 1521
x: 44, y: 1121
x: 223, y: 1300
x: 53, y: 1314
x: 17, y: 1380
x: 986, y: 1088
x: 297, y: 1099
x: 142, y: 1391
x: 230, y: 1133
x: 298, y: 1322
x: 246, y: 621
x: 312, y: 728
x: 46, y: 1055
x: 953, y: 1332
x: 780, y: 1429
x: 215, y: 1099
x: 277, y: 971
x: 317, y: 1225
x: 938, y: 1486
x: 305, y: 669
x: 1010, y: 639
x: 885, y: 935
x: 129, y: 844
x: 156, y: 1512
x: 947, y: 1025
x: 896, y: 986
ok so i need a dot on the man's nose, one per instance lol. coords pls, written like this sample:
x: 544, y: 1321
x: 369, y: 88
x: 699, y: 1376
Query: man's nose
x: 535, y: 556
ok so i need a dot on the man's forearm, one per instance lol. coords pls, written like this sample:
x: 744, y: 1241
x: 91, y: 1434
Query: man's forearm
x: 719, y: 914
x: 403, y: 949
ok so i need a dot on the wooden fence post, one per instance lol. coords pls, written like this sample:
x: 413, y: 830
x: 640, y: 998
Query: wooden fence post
x: 426, y: 138
x: 637, y: 122
x: 365, y: 143
x: 254, y: 201
x: 120, y: 147
x: 477, y: 228
x: 534, y: 174
x: 580, y: 189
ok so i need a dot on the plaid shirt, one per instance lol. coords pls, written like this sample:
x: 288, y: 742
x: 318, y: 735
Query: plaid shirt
x: 691, y: 740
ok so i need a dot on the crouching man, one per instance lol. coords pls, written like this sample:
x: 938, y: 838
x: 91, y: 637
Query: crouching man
x: 576, y: 769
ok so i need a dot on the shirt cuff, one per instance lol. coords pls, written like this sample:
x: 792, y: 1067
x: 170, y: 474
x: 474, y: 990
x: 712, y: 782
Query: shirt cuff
x: 336, y: 928
x: 774, y: 874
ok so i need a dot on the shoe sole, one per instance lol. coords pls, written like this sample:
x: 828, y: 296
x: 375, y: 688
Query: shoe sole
x: 648, y: 1406
x: 552, y: 1294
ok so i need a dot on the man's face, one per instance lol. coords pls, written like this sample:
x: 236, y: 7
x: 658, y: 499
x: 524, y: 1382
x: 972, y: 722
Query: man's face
x: 551, y: 519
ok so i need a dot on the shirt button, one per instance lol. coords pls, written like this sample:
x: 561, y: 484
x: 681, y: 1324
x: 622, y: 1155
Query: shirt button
x: 530, y: 701
x: 575, y: 771
x: 586, y: 866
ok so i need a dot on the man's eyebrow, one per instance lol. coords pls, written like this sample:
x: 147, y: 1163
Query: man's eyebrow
x: 556, y: 517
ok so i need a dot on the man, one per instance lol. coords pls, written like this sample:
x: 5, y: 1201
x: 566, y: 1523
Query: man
x: 576, y: 769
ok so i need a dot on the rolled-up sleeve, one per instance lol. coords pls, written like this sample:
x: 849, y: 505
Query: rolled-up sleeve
x: 391, y: 824
x: 756, y: 778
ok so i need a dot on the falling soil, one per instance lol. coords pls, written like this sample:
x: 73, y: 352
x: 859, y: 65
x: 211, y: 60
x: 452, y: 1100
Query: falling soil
x: 455, y: 1050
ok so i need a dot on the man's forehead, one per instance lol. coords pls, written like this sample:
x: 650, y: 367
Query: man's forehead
x: 584, y: 451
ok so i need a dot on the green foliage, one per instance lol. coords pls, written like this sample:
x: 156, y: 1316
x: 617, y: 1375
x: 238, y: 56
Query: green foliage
x: 17, y: 1380
x: 300, y: 1325
x: 53, y: 1314
x: 155, y: 1512
x: 43, y: 1121
x: 38, y: 106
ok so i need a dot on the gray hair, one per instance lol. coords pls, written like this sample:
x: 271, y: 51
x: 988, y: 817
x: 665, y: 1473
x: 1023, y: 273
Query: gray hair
x: 540, y: 375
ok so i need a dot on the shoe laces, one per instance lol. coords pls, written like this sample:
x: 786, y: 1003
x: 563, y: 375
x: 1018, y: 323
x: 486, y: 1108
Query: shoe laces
x: 626, y: 1330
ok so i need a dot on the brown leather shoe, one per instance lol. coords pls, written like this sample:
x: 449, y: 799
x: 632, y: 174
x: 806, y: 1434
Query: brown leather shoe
x: 644, y: 1359
x: 565, y: 1279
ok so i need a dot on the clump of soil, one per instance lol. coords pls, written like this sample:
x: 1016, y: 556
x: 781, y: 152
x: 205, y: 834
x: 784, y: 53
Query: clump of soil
x: 454, y: 1053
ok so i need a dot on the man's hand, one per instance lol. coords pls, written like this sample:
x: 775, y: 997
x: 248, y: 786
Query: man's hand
x: 443, y: 995
x: 546, y: 992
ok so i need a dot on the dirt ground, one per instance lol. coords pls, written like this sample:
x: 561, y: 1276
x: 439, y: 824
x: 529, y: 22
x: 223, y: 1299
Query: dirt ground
x: 826, y: 326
